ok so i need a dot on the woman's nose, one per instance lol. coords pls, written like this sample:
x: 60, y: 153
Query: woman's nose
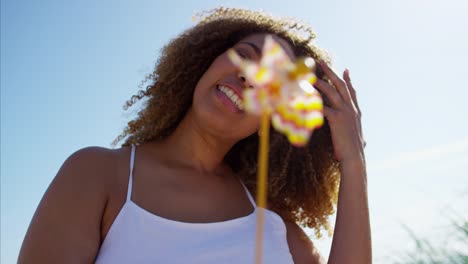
x: 244, y: 81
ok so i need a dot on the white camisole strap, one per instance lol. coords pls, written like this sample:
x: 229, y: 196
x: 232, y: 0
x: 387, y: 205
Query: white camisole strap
x: 251, y: 199
x: 130, y: 181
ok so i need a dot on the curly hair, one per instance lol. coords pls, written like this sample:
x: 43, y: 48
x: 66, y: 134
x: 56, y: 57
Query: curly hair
x: 303, y: 182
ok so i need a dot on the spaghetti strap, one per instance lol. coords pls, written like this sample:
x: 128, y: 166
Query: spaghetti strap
x: 130, y: 181
x: 251, y: 199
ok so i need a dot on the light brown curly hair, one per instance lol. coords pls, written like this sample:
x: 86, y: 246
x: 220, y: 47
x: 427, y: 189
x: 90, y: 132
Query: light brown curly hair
x: 303, y: 182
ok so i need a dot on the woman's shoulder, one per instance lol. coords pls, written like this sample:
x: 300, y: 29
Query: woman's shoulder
x: 92, y: 158
x: 96, y: 165
x: 69, y: 215
x: 91, y: 153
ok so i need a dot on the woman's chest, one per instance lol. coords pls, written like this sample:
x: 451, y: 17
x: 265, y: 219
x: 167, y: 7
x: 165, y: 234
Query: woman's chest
x: 192, y: 198
x: 179, y: 196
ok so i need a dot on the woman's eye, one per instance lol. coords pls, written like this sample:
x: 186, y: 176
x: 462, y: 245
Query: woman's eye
x: 243, y: 54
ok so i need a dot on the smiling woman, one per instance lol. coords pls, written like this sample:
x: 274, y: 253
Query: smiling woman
x: 303, y: 181
x: 192, y: 158
x: 200, y: 52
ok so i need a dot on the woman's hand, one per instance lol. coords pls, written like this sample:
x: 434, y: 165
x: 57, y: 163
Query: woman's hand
x: 344, y: 115
x: 352, y: 236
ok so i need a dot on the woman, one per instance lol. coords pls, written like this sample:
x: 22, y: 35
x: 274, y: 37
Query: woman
x: 192, y: 157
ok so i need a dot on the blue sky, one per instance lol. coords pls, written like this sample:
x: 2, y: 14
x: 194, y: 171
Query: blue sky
x: 68, y: 67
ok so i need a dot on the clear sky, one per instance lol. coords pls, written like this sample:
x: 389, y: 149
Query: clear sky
x: 67, y: 67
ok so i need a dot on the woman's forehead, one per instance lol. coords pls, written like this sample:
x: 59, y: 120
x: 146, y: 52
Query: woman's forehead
x: 259, y: 39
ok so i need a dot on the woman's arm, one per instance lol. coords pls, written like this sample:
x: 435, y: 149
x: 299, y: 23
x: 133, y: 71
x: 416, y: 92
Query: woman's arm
x: 66, y: 225
x: 352, y: 236
x: 351, y: 240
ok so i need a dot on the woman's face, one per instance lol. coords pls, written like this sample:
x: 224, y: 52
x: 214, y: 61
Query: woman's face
x: 217, y: 100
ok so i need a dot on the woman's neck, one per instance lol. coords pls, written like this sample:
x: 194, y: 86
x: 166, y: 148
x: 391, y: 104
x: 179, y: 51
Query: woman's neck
x: 194, y: 146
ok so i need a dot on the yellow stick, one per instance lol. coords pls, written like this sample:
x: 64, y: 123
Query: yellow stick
x: 262, y: 182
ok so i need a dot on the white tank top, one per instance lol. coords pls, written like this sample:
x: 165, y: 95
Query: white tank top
x: 140, y: 237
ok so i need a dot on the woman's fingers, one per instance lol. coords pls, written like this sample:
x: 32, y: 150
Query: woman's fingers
x: 340, y: 85
x: 330, y: 93
x: 351, y: 89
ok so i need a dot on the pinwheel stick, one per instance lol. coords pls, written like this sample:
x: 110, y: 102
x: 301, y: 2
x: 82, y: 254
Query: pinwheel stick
x: 262, y: 182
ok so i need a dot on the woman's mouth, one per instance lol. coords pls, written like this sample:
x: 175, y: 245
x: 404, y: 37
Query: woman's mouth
x: 230, y: 98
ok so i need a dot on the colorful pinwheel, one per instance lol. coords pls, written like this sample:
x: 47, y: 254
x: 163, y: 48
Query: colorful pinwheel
x: 283, y: 91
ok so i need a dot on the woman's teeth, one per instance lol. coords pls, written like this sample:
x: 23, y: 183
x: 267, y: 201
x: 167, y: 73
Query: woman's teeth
x: 232, y: 96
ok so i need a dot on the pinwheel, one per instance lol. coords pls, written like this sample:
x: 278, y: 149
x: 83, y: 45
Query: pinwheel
x: 283, y: 93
